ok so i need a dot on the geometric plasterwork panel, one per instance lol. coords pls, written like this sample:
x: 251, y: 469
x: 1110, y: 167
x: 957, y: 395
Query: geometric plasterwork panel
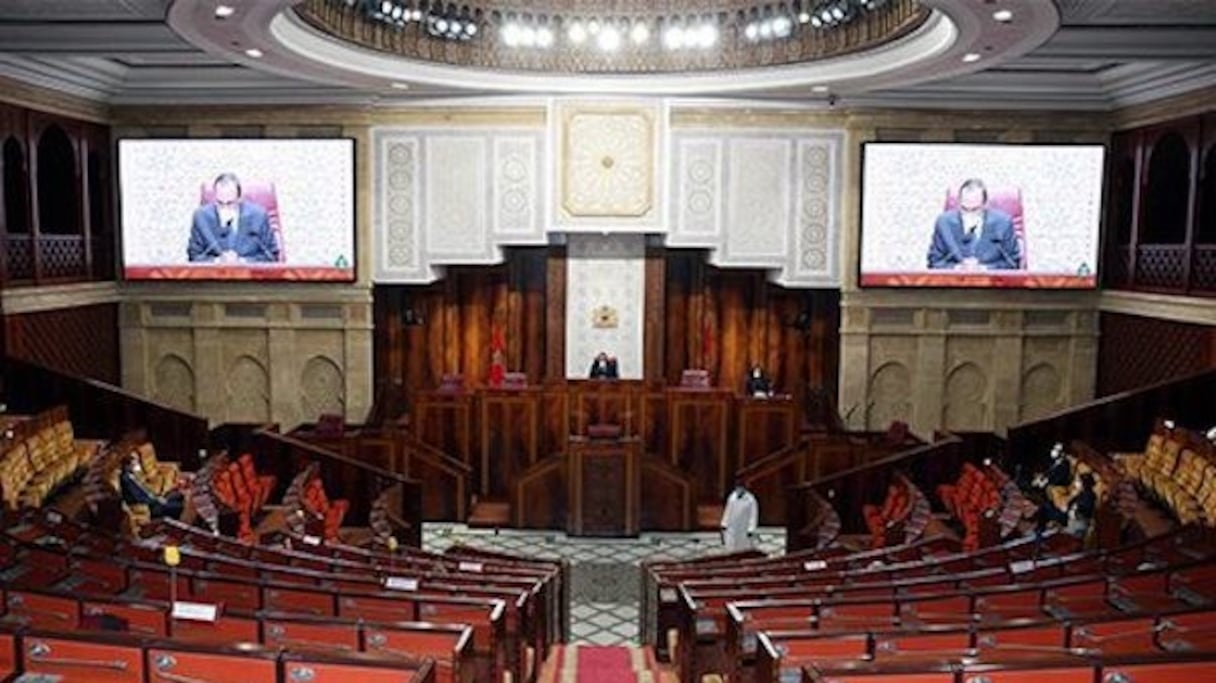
x: 760, y: 198
x: 396, y: 209
x: 815, y: 258
x: 515, y: 209
x: 696, y: 190
x: 446, y: 196
x: 759, y: 207
x: 607, y: 170
x: 457, y: 195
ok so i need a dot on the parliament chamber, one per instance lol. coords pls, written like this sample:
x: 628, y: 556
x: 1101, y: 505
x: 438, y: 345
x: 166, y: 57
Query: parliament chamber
x: 817, y: 341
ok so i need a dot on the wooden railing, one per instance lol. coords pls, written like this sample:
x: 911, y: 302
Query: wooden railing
x: 344, y: 477
x: 1120, y: 422
x: 926, y: 466
x: 100, y: 410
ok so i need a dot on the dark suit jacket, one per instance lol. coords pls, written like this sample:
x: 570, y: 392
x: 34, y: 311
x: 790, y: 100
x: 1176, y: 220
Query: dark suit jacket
x: 252, y: 239
x: 605, y: 370
x: 994, y: 245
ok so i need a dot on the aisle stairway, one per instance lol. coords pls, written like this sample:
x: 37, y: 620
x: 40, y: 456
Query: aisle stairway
x: 595, y: 664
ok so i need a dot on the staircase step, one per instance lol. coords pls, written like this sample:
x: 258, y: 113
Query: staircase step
x: 709, y: 517
x: 490, y: 513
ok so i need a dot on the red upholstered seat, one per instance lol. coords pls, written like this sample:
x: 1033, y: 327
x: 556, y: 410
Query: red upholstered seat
x: 261, y: 193
x: 318, y: 504
x: 1008, y: 200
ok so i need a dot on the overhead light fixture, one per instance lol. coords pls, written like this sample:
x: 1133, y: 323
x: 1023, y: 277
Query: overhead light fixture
x: 224, y: 11
x: 1003, y: 15
x: 609, y: 39
x: 819, y: 88
x: 577, y: 33
x: 971, y: 57
x: 254, y: 52
x: 639, y: 34
x: 398, y: 85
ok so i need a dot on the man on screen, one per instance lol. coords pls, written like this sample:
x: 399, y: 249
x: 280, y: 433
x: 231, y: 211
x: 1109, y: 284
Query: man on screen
x: 228, y: 230
x: 974, y: 236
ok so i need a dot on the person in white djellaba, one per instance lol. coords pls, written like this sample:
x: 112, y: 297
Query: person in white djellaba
x: 739, y: 519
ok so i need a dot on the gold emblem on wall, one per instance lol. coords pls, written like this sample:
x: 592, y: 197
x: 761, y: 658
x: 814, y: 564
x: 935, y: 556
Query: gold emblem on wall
x: 604, y: 317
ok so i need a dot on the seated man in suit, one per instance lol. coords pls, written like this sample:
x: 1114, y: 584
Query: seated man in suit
x: 603, y: 367
x: 757, y: 383
x: 135, y: 491
x: 974, y: 236
x: 229, y: 230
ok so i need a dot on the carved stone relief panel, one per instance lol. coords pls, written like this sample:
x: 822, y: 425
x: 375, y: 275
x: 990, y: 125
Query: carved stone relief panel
x: 608, y: 163
x: 248, y: 391
x: 322, y: 389
x: 173, y: 382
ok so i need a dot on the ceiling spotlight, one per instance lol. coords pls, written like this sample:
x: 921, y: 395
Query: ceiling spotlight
x: 819, y: 88
x: 398, y: 85
x: 510, y: 34
x: 639, y: 34
x: 766, y: 30
x: 527, y: 36
x: 254, y: 52
x: 609, y: 39
x: 673, y: 39
x: 470, y: 28
x: 544, y: 37
x: 386, y: 7
x: 577, y: 33
x: 971, y: 57
x: 593, y: 26
x: 709, y: 35
x: 804, y: 17
x: 782, y: 26
x: 224, y: 11
x: 1002, y: 15
x: 441, y: 25
x: 752, y: 32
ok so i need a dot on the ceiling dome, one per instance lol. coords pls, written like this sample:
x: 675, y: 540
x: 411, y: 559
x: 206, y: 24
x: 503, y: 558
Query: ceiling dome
x: 615, y: 37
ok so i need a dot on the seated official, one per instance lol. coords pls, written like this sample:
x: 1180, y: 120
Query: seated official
x: 231, y: 230
x: 974, y: 236
x: 603, y: 367
x: 135, y: 491
x: 757, y: 383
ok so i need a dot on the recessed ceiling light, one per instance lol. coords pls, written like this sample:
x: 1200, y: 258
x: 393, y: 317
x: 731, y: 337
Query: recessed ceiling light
x: 224, y: 11
x: 971, y: 57
x: 1002, y: 15
x: 254, y: 52
x: 819, y: 88
x: 399, y: 85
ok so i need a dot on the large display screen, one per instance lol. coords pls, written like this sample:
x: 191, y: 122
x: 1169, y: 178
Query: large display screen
x: 237, y: 209
x: 980, y: 215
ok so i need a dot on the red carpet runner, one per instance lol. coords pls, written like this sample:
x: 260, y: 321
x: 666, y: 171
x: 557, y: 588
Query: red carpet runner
x: 593, y: 664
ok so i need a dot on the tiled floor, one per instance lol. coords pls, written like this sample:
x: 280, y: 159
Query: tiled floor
x: 605, y: 577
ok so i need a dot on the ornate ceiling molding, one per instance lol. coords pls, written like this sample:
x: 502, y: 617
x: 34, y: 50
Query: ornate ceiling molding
x: 488, y: 47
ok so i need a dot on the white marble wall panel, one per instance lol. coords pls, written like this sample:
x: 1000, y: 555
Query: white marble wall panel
x: 605, y: 270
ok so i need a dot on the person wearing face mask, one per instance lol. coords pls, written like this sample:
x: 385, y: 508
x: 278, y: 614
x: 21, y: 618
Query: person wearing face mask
x: 740, y: 518
x: 135, y: 491
x: 974, y: 236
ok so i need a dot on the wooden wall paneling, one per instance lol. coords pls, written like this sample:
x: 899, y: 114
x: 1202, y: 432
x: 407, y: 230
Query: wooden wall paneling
x: 555, y: 315
x: 534, y: 338
x: 80, y: 341
x: 1179, y: 349
x: 654, y: 339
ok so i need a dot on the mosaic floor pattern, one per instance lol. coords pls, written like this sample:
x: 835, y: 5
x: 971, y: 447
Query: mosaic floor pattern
x: 605, y: 576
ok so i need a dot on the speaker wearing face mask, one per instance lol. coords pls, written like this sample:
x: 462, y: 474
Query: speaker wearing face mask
x: 974, y: 236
